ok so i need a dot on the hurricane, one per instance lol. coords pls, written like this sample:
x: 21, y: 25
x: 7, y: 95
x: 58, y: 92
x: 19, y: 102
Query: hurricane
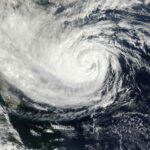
x: 75, y: 74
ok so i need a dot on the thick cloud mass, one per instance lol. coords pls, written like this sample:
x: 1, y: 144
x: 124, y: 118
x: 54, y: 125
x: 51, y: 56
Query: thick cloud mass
x: 56, y: 63
x: 66, y: 53
x: 75, y: 74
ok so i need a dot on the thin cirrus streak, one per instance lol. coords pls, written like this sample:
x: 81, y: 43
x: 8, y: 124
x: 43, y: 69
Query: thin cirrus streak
x: 59, y: 64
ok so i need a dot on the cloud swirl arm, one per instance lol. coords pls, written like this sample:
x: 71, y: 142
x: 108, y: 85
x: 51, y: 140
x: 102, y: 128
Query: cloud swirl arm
x: 56, y: 60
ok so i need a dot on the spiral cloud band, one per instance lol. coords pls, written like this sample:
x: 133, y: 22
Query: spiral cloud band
x: 55, y: 59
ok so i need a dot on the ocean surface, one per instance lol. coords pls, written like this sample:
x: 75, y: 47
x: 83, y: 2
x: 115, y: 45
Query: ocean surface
x: 75, y: 74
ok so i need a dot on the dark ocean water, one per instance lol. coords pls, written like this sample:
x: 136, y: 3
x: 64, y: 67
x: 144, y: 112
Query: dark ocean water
x: 122, y: 125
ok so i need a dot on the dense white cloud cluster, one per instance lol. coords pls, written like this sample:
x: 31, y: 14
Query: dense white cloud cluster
x: 54, y: 64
